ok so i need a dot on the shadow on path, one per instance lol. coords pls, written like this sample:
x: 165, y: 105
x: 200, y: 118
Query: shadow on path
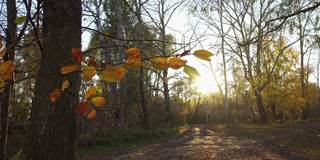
x: 201, y: 142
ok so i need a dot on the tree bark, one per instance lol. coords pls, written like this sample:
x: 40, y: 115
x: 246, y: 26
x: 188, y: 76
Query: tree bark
x: 53, y: 131
x: 261, y: 110
x: 5, y: 95
x: 166, y: 94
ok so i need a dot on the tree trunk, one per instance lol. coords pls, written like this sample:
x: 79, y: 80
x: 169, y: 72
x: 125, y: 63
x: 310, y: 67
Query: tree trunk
x: 302, y: 70
x: 146, y: 121
x: 166, y: 94
x: 261, y: 110
x: 225, y: 99
x: 54, y: 125
x: 5, y: 95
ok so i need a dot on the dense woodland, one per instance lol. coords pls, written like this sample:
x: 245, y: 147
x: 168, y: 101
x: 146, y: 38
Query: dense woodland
x: 72, y: 71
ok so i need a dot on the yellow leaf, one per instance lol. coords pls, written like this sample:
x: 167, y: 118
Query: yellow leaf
x: 6, y: 70
x: 89, y: 72
x: 176, y: 63
x: 92, y: 91
x: 132, y: 63
x: 65, y: 85
x: 113, y: 73
x: 133, y: 53
x: 2, y: 85
x: 54, y: 95
x: 69, y: 68
x: 160, y: 63
x: 203, y: 54
x: 2, y: 49
x: 92, y: 114
x: 98, y: 101
x: 2, y: 52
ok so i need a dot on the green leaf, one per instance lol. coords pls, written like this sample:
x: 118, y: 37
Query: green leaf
x: 20, y: 20
x: 191, y: 72
x: 17, y: 156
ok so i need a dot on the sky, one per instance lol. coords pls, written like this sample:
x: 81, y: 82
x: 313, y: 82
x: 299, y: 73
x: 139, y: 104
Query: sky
x: 180, y: 23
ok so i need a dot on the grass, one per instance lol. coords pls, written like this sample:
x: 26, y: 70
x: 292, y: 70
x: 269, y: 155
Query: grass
x: 125, y: 140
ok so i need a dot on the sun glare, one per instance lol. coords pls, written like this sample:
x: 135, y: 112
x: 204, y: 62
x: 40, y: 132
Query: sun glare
x: 206, y: 85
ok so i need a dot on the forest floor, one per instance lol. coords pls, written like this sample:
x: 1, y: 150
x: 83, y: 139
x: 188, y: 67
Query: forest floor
x: 298, y: 141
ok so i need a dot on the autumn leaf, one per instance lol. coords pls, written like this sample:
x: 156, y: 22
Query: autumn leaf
x: 54, y: 95
x: 2, y: 84
x: 203, y: 54
x: 82, y: 108
x: 113, y: 73
x: 92, y: 91
x: 132, y: 63
x: 65, y: 85
x: 92, y: 62
x: 89, y: 72
x: 191, y: 72
x: 2, y: 49
x: 20, y: 20
x: 6, y: 69
x: 98, y: 101
x: 92, y: 114
x: 2, y: 52
x: 77, y: 55
x: 160, y: 63
x: 176, y: 63
x: 133, y: 53
x: 69, y: 69
x: 133, y: 58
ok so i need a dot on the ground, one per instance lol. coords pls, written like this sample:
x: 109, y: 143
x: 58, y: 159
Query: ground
x: 211, y: 142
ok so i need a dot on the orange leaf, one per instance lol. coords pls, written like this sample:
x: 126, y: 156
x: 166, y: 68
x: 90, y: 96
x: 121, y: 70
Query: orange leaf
x: 54, y: 95
x: 69, y: 68
x: 160, y: 63
x: 92, y: 62
x: 6, y: 69
x: 113, y: 73
x: 98, y: 101
x: 77, y: 55
x: 92, y: 114
x: 92, y: 91
x: 133, y: 63
x: 133, y: 53
x: 2, y: 52
x: 176, y: 63
x: 65, y: 85
x: 82, y: 108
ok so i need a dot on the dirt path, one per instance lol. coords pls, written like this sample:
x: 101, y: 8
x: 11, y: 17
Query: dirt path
x: 203, y: 143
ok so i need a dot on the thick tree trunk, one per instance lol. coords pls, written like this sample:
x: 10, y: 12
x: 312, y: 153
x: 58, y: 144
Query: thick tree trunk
x: 54, y: 125
x: 261, y: 109
x: 5, y: 95
x: 146, y: 121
